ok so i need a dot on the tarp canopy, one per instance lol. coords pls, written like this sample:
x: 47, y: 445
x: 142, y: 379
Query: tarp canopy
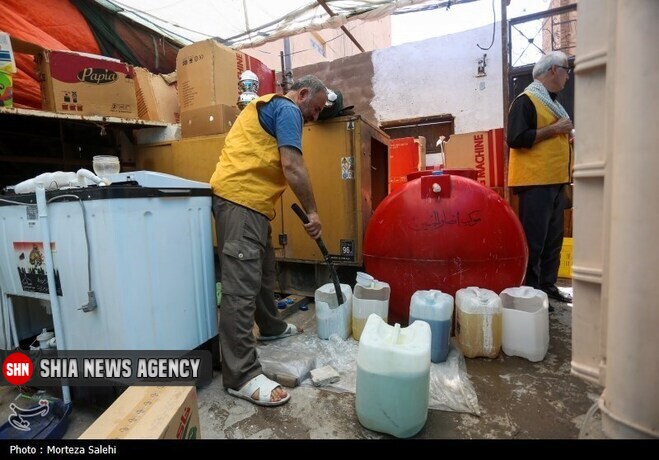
x: 149, y: 33
x: 249, y: 23
x: 82, y: 26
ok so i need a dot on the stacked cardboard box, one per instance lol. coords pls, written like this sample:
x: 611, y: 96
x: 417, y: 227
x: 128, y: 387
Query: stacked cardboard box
x: 157, y: 98
x: 406, y: 155
x: 483, y: 151
x: 208, y: 75
x: 86, y: 84
x: 7, y: 70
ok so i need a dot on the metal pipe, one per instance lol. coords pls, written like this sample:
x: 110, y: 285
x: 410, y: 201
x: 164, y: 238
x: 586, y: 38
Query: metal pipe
x: 343, y: 28
x: 42, y: 208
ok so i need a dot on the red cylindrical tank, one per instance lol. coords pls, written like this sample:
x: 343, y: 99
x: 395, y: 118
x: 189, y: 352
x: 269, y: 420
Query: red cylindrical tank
x: 443, y: 232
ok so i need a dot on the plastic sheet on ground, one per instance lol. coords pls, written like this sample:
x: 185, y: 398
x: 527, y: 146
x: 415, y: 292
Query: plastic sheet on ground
x: 450, y: 387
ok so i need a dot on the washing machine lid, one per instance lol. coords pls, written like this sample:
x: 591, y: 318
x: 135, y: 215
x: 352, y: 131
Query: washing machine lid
x: 157, y: 180
x: 136, y: 184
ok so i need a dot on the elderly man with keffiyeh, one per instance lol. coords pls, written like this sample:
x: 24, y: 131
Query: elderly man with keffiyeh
x: 540, y: 168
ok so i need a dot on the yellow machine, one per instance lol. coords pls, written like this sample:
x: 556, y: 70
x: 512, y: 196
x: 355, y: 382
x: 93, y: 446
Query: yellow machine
x: 347, y: 159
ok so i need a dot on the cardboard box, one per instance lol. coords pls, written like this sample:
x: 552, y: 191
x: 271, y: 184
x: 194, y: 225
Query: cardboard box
x: 406, y: 155
x: 7, y: 62
x: 7, y: 71
x: 208, y: 75
x: 148, y: 412
x: 206, y: 121
x: 482, y: 150
x: 86, y: 84
x: 157, y: 99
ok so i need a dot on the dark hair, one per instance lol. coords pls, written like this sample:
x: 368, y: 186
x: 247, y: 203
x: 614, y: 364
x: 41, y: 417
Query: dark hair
x: 314, y: 84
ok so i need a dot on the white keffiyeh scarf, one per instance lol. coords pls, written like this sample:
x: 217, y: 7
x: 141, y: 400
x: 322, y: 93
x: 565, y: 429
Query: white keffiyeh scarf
x: 538, y: 90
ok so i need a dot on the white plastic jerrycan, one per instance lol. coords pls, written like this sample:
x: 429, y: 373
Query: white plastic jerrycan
x: 525, y: 322
x: 330, y: 317
x: 393, y: 377
x: 479, y: 318
x: 435, y: 308
x: 370, y: 296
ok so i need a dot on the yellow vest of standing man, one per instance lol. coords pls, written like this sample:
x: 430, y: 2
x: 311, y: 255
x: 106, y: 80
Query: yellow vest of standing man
x: 249, y: 172
x: 548, y: 162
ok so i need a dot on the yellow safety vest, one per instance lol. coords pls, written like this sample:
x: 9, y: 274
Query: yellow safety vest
x: 547, y: 162
x: 249, y: 171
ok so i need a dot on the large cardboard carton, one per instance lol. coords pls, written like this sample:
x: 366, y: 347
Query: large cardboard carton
x: 86, y: 84
x: 208, y: 75
x: 157, y: 99
x: 148, y: 412
x: 482, y: 150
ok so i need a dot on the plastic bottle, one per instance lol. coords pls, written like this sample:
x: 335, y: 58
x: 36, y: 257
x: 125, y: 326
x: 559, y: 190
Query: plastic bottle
x: 330, y: 317
x: 479, y: 318
x: 435, y: 308
x: 525, y: 328
x: 393, y: 377
x: 370, y: 296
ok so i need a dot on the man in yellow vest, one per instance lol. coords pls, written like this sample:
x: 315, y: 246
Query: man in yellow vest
x: 262, y: 154
x: 540, y: 168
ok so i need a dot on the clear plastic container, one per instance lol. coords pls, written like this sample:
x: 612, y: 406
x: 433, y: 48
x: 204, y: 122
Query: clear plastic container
x: 435, y: 308
x: 479, y: 322
x: 393, y: 377
x: 370, y: 296
x: 525, y: 323
x: 330, y: 317
x: 105, y: 165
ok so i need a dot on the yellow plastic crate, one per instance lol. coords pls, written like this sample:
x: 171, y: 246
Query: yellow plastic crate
x: 565, y: 269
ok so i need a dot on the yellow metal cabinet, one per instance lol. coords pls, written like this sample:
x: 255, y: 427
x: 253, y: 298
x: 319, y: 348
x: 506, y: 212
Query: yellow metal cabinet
x: 194, y: 158
x: 347, y: 160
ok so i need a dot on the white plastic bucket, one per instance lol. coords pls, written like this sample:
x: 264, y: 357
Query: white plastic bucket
x: 479, y: 318
x: 435, y: 308
x: 330, y: 317
x: 393, y: 377
x: 525, y: 323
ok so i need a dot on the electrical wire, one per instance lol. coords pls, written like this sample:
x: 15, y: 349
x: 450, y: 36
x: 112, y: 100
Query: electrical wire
x: 494, y: 27
x: 84, y: 220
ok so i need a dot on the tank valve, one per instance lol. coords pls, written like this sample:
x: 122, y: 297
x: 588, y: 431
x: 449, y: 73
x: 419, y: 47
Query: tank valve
x: 436, y: 188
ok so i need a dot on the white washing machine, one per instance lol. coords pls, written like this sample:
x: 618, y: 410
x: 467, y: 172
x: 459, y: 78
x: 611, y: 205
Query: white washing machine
x: 142, y: 246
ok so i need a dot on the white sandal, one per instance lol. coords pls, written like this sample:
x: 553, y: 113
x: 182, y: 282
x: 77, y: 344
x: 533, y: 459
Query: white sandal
x: 265, y: 387
x: 290, y: 331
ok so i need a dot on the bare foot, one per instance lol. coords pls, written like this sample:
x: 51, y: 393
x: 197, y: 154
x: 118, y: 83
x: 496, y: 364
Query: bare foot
x: 276, y: 395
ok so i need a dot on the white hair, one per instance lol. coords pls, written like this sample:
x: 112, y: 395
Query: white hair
x: 545, y: 62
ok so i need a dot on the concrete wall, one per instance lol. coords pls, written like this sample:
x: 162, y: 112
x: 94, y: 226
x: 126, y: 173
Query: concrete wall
x: 430, y: 77
x: 352, y: 76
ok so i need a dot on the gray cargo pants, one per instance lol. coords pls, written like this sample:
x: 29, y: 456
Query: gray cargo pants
x: 247, y: 273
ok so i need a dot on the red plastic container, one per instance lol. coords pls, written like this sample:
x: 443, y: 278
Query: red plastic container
x: 443, y: 232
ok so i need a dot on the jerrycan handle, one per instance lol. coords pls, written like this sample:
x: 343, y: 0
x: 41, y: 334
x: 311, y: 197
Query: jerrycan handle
x: 396, y: 333
x: 474, y: 290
